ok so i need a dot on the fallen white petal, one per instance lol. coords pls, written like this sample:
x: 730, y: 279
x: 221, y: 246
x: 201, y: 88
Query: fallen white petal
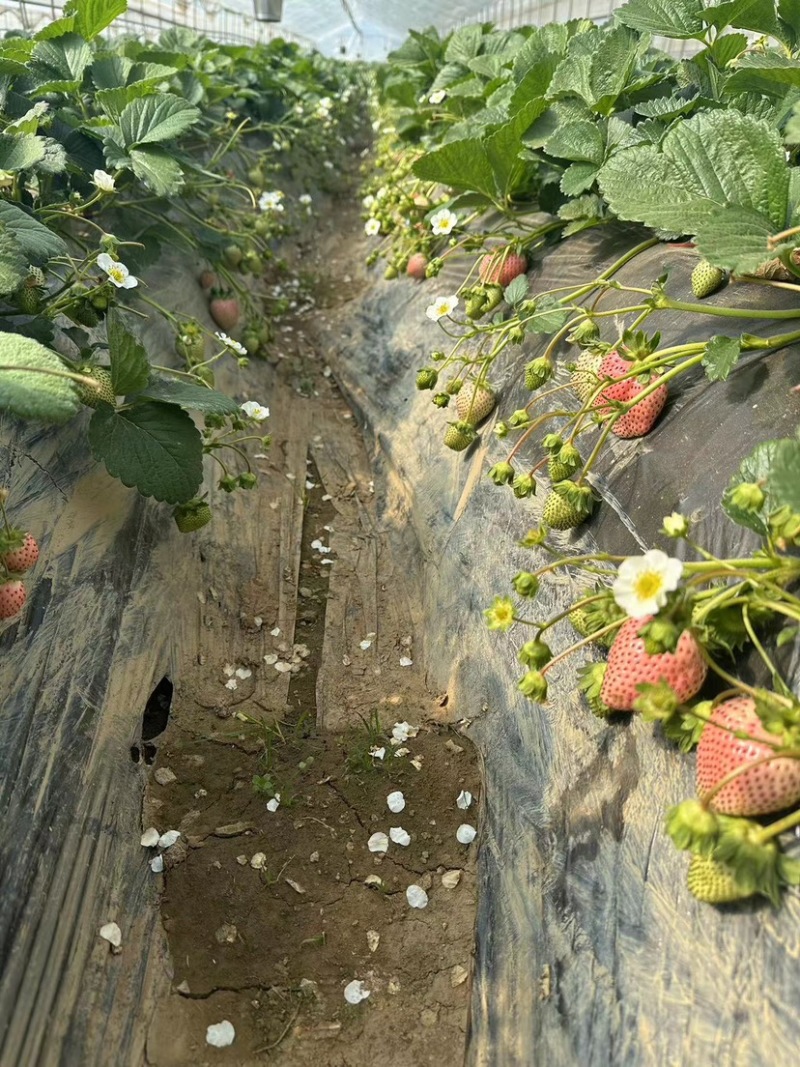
x: 417, y: 763
x: 228, y: 670
x: 282, y: 668
x: 274, y: 804
x: 396, y: 801
x: 377, y: 753
x: 231, y: 684
x: 276, y: 632
x: 464, y: 799
x: 243, y: 672
x: 416, y: 896
x: 405, y: 661
x: 150, y: 838
x: 111, y: 933
x: 379, y: 842
x: 400, y: 836
x: 373, y: 940
x: 270, y: 659
x: 466, y: 834
x: 450, y: 879
x: 364, y: 645
x: 168, y: 839
x: 258, y: 861
x: 355, y: 992
x: 401, y: 752
x: 220, y: 1035
x: 157, y: 864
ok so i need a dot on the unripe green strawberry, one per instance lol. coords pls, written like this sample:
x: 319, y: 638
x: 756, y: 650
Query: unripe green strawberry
x: 567, y: 506
x: 558, y: 471
x: 103, y: 393
x: 232, y: 255
x: 584, y: 378
x: 706, y: 279
x: 28, y: 300
x: 537, y: 372
x: 493, y: 299
x: 459, y: 435
x: 390, y: 273
x: 579, y: 618
x: 84, y: 314
x: 475, y: 404
x: 426, y: 378
x: 713, y: 882
x: 251, y: 341
x: 192, y: 516
x: 474, y: 306
x: 205, y: 374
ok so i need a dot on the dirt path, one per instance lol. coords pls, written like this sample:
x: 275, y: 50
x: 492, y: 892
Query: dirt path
x: 301, y: 662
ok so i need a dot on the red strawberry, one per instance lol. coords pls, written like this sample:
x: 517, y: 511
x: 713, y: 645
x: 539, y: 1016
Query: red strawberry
x: 768, y: 787
x: 641, y: 417
x: 629, y: 664
x: 21, y: 559
x: 502, y: 267
x: 12, y: 597
x: 224, y: 309
x: 416, y: 266
x: 207, y: 279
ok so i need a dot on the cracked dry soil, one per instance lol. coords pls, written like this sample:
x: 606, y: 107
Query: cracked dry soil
x: 271, y: 948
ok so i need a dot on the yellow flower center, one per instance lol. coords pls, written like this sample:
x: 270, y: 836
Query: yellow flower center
x: 648, y: 585
x: 117, y: 273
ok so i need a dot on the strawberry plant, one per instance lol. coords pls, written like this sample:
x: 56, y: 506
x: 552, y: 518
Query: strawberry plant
x: 675, y: 632
x: 110, y: 154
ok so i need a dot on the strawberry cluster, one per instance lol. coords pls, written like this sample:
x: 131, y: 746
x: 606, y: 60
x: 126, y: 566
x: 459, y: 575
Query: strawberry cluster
x: 18, y: 553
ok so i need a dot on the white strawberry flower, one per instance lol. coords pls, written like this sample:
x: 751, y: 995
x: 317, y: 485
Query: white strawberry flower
x: 271, y: 201
x: 642, y: 582
x: 119, y: 274
x: 443, y: 221
x: 372, y: 227
x: 304, y: 199
x: 255, y: 411
x: 368, y: 201
x: 229, y: 342
x: 103, y: 181
x: 443, y: 305
x: 437, y: 97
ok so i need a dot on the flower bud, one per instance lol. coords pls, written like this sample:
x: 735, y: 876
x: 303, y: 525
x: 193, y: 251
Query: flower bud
x: 520, y: 417
x: 441, y: 400
x: 534, y: 686
x: 502, y: 473
x: 552, y: 442
x: 526, y: 584
x: 535, y: 654
x: 748, y: 496
x: 675, y: 525
x: 426, y: 378
x: 585, y: 332
x: 501, y: 429
x: 524, y: 485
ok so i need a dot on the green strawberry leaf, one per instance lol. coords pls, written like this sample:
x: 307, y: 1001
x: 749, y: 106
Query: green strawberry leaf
x: 783, y: 486
x: 151, y: 119
x: 775, y: 466
x: 13, y: 263
x: 664, y: 18
x: 756, y: 15
x: 130, y: 367
x: 517, y: 290
x: 769, y: 73
x: 153, y: 447
x: 92, y: 16
x: 704, y: 163
x: 20, y: 151
x: 58, y: 65
x: 24, y: 392
x: 577, y: 178
x: 548, y: 317
x: 736, y: 238
x: 580, y: 141
x: 157, y: 169
x: 37, y: 242
x: 721, y: 356
x: 190, y: 396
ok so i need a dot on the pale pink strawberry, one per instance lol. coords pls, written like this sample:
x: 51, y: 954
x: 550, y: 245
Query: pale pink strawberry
x: 23, y: 558
x: 629, y: 664
x: 640, y: 419
x: 416, y: 266
x: 12, y: 598
x: 768, y: 787
x: 501, y: 267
